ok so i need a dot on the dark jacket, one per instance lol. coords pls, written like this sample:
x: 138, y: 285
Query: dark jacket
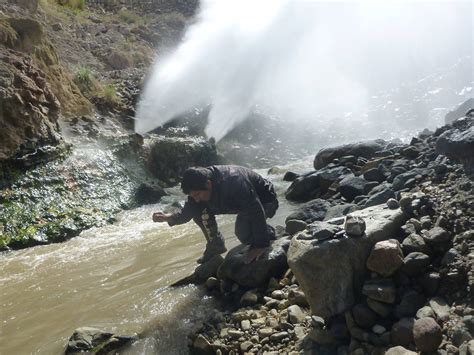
x: 235, y: 190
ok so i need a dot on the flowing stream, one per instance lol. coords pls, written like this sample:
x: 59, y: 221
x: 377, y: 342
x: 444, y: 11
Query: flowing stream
x: 115, y: 278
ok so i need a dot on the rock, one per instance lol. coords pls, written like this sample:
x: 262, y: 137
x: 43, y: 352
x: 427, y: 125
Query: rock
x: 354, y: 226
x: 311, y: 211
x: 440, y: 308
x: 294, y: 225
x: 415, y: 263
x: 402, y: 332
x: 365, y: 149
x: 295, y: 314
x: 399, y: 350
x: 340, y: 210
x: 246, y: 346
x: 400, y: 181
x: 460, y: 111
x: 427, y: 334
x: 212, y: 283
x: 462, y: 331
x: 374, y: 174
x: 314, y: 184
x: 415, y: 243
x: 436, y: 235
x: 256, y: 274
x: 382, y: 309
x: 297, y: 297
x: 352, y: 186
x: 320, y: 231
x: 202, y: 346
x: 147, y: 194
x: 380, y: 196
x: 410, y: 302
x: 392, y: 204
x: 249, y: 298
x: 290, y: 176
x: 430, y: 283
x: 338, y: 265
x: 208, y: 269
x: 87, y: 339
x: 169, y: 157
x: 378, y: 329
x: 321, y: 336
x: 424, y: 312
x: 363, y: 316
x: 385, y: 258
x: 30, y: 5
x: 265, y: 332
x: 382, y: 290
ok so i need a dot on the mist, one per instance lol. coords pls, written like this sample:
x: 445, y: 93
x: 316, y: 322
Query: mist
x: 304, y: 61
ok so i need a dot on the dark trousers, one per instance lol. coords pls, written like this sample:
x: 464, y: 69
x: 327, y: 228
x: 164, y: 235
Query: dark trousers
x: 243, y: 225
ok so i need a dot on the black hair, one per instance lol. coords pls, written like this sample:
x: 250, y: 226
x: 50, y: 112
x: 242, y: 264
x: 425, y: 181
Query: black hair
x: 195, y: 179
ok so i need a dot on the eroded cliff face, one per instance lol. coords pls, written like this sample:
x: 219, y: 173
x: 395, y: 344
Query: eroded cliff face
x: 34, y: 89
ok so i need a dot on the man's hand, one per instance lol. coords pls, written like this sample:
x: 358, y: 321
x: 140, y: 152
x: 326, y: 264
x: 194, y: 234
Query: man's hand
x: 160, y: 217
x: 254, y: 253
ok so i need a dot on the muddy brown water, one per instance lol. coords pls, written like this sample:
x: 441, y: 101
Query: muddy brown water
x: 115, y: 278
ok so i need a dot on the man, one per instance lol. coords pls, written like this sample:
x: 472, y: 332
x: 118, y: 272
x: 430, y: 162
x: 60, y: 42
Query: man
x: 227, y: 189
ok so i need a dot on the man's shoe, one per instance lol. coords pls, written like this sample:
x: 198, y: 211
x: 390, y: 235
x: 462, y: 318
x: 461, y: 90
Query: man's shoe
x: 210, y: 252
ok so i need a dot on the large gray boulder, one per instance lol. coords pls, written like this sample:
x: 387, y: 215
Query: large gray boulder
x: 315, y: 183
x: 331, y: 272
x: 169, y: 157
x: 311, y: 211
x: 256, y: 274
x: 365, y: 149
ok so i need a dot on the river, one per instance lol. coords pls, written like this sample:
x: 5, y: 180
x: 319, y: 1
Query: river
x: 115, y: 278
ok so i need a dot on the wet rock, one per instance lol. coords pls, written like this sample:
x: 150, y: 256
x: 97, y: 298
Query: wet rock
x: 256, y: 274
x: 427, y: 334
x: 415, y: 263
x: 208, y: 269
x: 94, y: 340
x: 147, y: 194
x: 169, y: 157
x: 385, y: 258
x: 202, y: 346
x: 402, y: 332
x: 354, y: 226
x: 290, y: 176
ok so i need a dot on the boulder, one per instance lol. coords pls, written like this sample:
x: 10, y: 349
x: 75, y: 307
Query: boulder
x: 436, y: 235
x: 352, y: 186
x: 294, y: 226
x: 340, y: 210
x: 458, y: 143
x: 169, y: 157
x: 410, y: 302
x: 379, y: 195
x: 382, y: 290
x: 338, y: 265
x: 440, y: 308
x: 272, y: 263
x: 415, y: 243
x: 385, y: 258
x: 93, y: 340
x: 365, y: 149
x: 399, y: 350
x: 311, y: 211
x: 415, y: 263
x: 363, y: 316
x: 402, y: 332
x: 319, y: 231
x: 314, y: 184
x: 374, y: 174
x: 460, y: 111
x: 427, y: 334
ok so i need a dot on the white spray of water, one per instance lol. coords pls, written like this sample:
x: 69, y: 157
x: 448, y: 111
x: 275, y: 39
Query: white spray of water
x: 302, y: 58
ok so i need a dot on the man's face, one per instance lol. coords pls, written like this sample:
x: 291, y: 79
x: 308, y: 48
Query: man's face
x: 202, y: 195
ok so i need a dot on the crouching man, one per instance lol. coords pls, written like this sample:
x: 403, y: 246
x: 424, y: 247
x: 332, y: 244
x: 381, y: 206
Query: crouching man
x: 227, y: 189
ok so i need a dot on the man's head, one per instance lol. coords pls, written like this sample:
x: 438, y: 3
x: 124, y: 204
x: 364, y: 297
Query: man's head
x: 196, y: 183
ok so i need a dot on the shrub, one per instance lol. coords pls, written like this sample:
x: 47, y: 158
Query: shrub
x: 128, y: 16
x: 110, y: 94
x: 85, y: 80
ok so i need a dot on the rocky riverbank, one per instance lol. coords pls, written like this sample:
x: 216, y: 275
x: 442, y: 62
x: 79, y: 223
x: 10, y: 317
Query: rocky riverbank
x: 396, y: 278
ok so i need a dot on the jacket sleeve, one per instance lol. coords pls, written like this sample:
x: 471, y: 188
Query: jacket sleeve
x: 187, y: 212
x: 248, y: 204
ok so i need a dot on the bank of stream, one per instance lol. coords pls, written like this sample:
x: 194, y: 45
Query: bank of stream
x: 115, y: 278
